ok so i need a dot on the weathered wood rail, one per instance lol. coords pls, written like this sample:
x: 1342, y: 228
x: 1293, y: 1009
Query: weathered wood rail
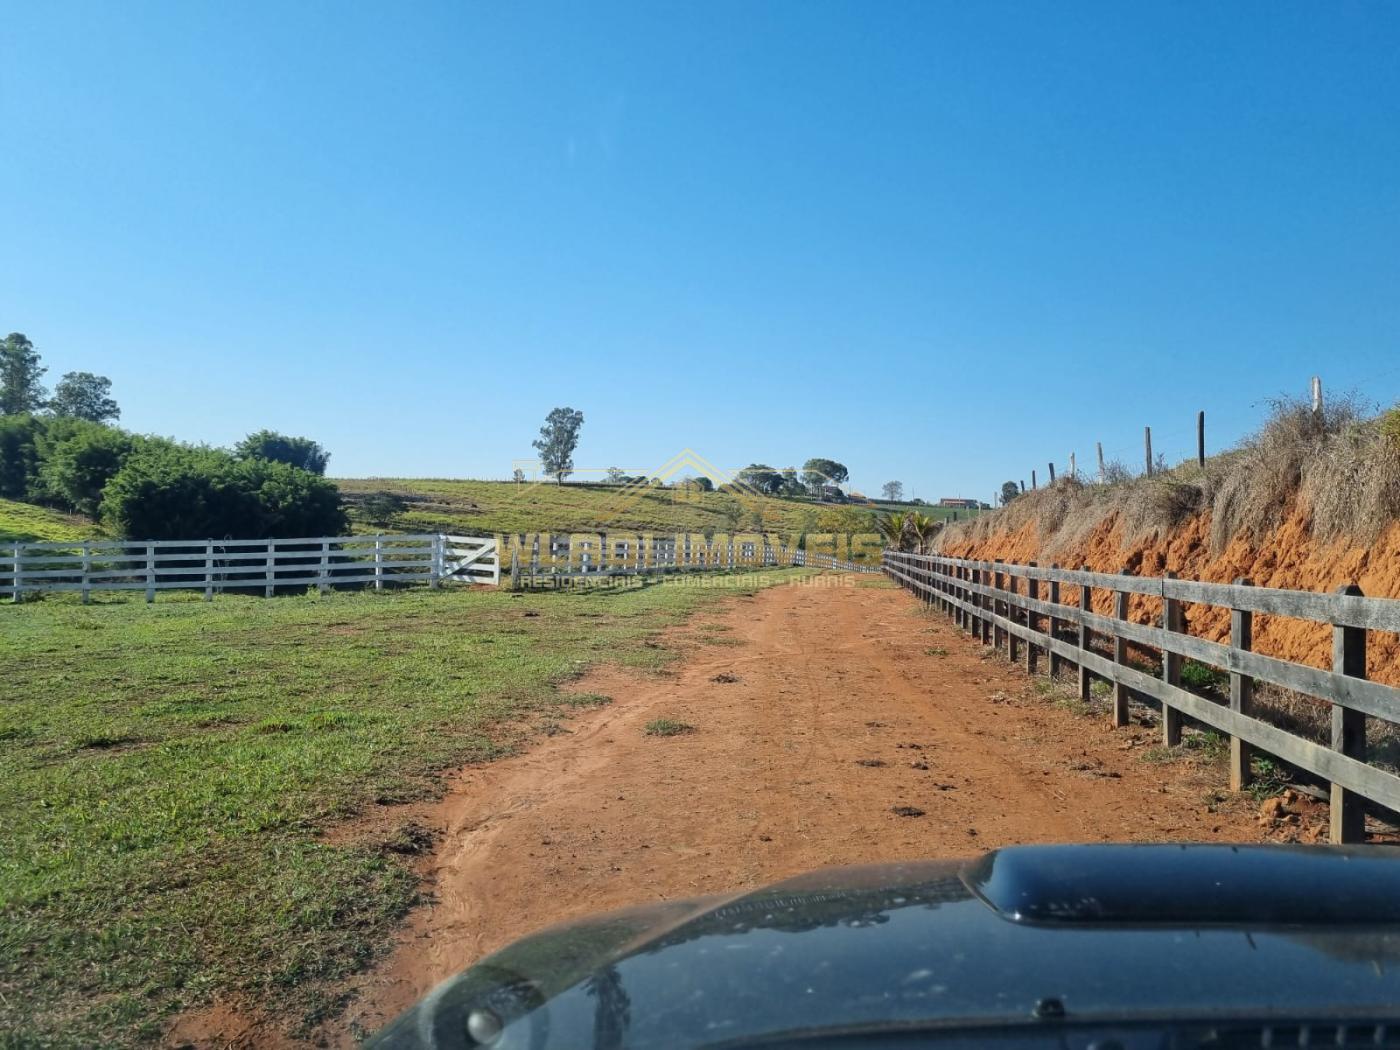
x: 1004, y: 605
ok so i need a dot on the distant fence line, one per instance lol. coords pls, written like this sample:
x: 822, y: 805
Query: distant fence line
x: 215, y: 566
x: 265, y: 565
x: 986, y: 598
x: 552, y: 559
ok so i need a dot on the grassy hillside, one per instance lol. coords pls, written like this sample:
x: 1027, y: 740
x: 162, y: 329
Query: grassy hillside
x: 502, y: 506
x: 24, y: 521
x: 167, y: 772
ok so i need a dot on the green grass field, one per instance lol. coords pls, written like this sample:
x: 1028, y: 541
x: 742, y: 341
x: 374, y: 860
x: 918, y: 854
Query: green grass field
x: 167, y: 772
x: 485, y: 507
x: 24, y: 521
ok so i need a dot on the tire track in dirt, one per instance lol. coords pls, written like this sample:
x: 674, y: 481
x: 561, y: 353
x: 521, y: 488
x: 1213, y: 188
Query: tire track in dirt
x: 771, y: 782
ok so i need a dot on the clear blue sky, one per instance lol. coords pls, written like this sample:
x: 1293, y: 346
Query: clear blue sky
x: 940, y: 242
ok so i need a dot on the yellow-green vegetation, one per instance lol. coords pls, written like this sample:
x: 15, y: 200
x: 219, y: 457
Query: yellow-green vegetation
x: 486, y: 507
x: 167, y: 773
x: 25, y: 521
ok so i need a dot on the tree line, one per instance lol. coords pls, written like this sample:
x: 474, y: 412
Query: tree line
x: 63, y: 451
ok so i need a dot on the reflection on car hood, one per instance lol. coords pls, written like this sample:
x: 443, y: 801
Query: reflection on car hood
x: 1097, y: 931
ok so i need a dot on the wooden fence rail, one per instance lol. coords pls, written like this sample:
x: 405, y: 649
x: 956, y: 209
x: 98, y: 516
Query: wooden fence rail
x: 215, y: 566
x: 986, y: 599
x: 267, y: 564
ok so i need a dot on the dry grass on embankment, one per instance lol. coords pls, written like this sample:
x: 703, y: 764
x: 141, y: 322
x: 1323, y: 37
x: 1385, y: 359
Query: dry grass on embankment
x: 1307, y: 503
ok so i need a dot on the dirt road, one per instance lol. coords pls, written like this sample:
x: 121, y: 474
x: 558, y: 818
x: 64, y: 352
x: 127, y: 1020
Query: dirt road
x: 818, y: 712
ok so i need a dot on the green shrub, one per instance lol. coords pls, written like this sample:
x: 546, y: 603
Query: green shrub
x: 79, y: 458
x: 1201, y: 676
x: 179, y: 492
x: 19, y: 455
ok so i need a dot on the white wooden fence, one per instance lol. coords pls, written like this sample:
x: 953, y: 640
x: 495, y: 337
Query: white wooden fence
x: 243, y: 565
x: 214, y: 566
x: 536, y: 558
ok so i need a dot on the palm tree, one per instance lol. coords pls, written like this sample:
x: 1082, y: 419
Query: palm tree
x: 924, y: 529
x: 895, y: 528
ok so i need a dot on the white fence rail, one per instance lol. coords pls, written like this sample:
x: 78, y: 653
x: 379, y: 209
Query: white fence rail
x: 243, y: 565
x: 214, y: 566
x: 536, y: 558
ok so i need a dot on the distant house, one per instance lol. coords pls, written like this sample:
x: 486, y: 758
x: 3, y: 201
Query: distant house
x: 959, y: 502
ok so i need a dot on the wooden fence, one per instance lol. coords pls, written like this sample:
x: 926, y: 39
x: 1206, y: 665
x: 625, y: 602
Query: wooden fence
x: 247, y: 565
x: 555, y: 560
x: 214, y: 566
x: 1019, y: 607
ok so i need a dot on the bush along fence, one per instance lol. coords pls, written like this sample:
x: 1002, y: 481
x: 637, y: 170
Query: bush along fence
x: 542, y: 559
x: 1020, y: 607
x: 247, y: 565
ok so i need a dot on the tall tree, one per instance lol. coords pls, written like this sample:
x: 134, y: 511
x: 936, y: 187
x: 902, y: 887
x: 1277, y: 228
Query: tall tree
x: 279, y: 448
x: 20, y: 372
x: 893, y: 490
x: 82, y: 395
x: 1009, y: 491
x: 818, y: 472
x: 557, y: 441
x: 762, y: 478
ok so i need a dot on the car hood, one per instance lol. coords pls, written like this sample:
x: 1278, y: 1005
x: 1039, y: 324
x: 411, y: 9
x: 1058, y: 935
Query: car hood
x: 1018, y: 935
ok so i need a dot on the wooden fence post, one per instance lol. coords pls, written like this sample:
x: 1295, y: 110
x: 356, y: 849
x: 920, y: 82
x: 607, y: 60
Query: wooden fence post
x: 1171, y: 668
x: 1201, y: 439
x: 1120, y: 659
x: 323, y: 574
x: 515, y: 569
x: 1052, y: 472
x: 270, y: 577
x: 1099, y: 445
x: 1013, y: 643
x: 1348, y: 727
x: 1241, y: 691
x: 15, y: 580
x: 1032, y: 621
x: 150, y: 572
x: 209, y: 570
x: 1055, y: 625
x: 975, y: 600
x: 1147, y: 448
x: 87, y: 570
x: 998, y: 584
x: 1085, y: 605
x: 1032, y: 480
x: 378, y: 563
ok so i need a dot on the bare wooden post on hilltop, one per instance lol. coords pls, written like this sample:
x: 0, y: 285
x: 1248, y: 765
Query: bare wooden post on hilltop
x: 1099, y: 446
x: 1348, y: 727
x: 1147, y: 443
x: 1201, y: 440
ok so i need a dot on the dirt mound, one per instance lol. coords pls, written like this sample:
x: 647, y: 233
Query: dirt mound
x: 1289, y: 556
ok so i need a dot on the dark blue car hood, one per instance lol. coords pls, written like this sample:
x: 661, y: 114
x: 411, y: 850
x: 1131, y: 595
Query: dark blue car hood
x: 1020, y: 937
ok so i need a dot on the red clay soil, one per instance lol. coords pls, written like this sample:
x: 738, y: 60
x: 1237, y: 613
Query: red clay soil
x: 1290, y: 558
x: 819, y: 714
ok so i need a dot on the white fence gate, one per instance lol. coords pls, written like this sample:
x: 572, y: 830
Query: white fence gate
x: 241, y: 565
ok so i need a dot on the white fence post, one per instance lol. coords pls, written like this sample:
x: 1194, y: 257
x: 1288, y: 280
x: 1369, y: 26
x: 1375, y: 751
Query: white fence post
x: 150, y: 573
x: 267, y: 569
x: 323, y: 577
x: 209, y: 570
x: 87, y: 569
x: 378, y: 563
x: 436, y: 561
x: 15, y: 577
